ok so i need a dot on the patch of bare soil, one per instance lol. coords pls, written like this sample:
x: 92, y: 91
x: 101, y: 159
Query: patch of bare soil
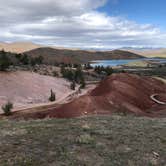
x: 27, y: 88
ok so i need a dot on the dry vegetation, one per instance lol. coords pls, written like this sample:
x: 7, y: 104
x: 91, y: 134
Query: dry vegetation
x: 102, y: 141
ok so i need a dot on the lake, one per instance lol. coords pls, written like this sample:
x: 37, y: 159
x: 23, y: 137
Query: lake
x: 119, y: 62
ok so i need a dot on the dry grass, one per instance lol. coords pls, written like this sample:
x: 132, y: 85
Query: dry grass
x: 105, y: 140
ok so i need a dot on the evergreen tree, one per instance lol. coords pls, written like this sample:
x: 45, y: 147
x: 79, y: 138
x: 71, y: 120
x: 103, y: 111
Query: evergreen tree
x: 4, y: 61
x: 24, y: 59
x: 52, y: 96
x: 7, y: 108
x: 82, y: 83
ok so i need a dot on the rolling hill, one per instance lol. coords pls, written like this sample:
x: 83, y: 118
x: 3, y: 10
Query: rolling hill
x: 148, y: 52
x: 154, y: 53
x: 18, y: 47
x: 52, y: 55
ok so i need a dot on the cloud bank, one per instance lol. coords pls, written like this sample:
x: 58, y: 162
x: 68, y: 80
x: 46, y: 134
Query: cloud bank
x: 73, y: 24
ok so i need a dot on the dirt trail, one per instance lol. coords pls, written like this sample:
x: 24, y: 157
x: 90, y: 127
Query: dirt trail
x: 39, y: 108
x: 154, y: 98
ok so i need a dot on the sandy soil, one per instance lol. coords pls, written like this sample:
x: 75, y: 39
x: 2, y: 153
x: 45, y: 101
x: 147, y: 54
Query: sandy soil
x: 27, y: 88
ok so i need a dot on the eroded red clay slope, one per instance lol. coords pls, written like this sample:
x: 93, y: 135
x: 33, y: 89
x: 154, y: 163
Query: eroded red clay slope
x: 125, y: 93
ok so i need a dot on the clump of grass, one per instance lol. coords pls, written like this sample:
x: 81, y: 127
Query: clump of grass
x: 7, y: 108
x: 86, y: 127
x: 85, y: 139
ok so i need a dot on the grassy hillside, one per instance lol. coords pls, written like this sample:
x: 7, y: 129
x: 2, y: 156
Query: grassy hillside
x: 79, y: 56
x: 102, y: 141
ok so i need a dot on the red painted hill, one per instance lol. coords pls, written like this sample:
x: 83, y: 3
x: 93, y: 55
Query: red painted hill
x: 125, y: 93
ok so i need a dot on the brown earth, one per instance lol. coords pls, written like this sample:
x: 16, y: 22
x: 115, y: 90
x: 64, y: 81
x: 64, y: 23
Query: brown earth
x: 161, y: 97
x: 52, y: 55
x: 119, y: 93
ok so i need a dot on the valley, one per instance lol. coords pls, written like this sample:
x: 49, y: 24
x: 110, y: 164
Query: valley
x: 61, y: 104
x: 82, y: 83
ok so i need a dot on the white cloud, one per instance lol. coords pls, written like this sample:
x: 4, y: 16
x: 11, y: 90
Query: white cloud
x: 72, y: 24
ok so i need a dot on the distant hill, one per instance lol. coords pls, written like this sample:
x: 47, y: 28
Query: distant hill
x: 148, y: 52
x: 18, y: 47
x: 154, y: 53
x: 52, y: 55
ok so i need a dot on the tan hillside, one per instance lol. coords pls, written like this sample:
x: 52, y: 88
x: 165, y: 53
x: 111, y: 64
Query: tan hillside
x: 150, y: 53
x: 155, y: 53
x: 18, y: 47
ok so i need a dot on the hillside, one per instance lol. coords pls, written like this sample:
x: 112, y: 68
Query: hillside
x: 124, y: 93
x: 149, y: 53
x: 154, y: 53
x: 26, y: 88
x: 119, y: 93
x: 105, y: 140
x: 18, y: 47
x: 52, y: 55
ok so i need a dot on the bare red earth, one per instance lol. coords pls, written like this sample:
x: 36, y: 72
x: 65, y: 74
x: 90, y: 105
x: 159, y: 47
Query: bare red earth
x: 124, y: 93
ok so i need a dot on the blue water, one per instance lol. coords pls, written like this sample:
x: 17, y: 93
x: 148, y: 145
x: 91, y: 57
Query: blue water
x: 119, y: 62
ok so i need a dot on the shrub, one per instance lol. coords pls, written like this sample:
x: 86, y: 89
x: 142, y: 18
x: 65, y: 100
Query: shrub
x: 76, y: 65
x: 82, y: 83
x: 78, y: 76
x: 67, y: 73
x: 39, y: 60
x: 106, y: 70
x: 55, y: 73
x: 52, y: 96
x: 7, y: 108
x: 24, y: 59
x: 73, y: 85
x: 88, y: 66
x: 85, y: 139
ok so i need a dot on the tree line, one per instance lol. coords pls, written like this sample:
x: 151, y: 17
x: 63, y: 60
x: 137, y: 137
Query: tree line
x: 7, y: 59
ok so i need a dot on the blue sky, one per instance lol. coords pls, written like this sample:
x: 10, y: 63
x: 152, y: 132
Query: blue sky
x: 141, y: 11
x: 86, y: 24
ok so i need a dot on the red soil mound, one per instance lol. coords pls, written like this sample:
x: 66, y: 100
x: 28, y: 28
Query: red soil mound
x: 124, y: 93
